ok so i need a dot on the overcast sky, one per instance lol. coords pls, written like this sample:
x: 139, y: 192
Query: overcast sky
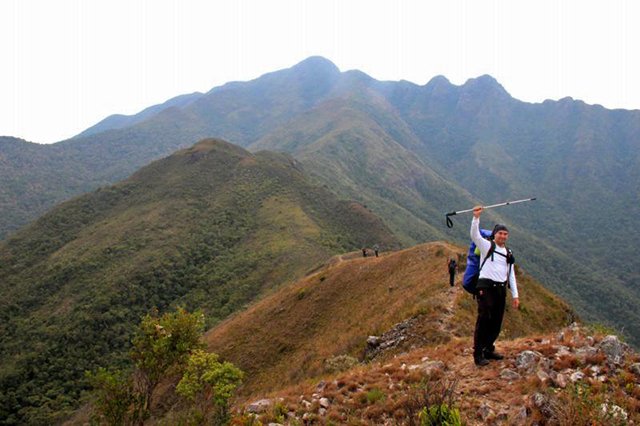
x: 67, y: 64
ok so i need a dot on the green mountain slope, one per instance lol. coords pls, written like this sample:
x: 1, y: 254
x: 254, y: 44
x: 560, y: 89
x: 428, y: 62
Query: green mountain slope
x: 410, y: 153
x: 36, y: 177
x: 581, y: 162
x: 351, y: 143
x: 211, y: 227
x: 376, y: 142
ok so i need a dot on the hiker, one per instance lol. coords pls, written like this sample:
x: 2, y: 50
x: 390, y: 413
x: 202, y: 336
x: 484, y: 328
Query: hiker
x: 375, y: 249
x: 496, y: 273
x: 364, y: 252
x: 452, y: 265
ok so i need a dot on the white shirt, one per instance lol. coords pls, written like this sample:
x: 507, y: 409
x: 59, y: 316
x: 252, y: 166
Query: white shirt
x: 497, y: 269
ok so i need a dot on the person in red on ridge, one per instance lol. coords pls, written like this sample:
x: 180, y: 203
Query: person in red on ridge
x: 496, y: 273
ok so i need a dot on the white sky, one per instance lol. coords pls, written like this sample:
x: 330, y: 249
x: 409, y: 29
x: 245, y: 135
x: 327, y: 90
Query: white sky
x: 67, y: 64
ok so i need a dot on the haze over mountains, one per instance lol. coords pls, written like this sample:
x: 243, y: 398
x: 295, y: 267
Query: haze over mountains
x: 411, y: 153
x: 405, y: 153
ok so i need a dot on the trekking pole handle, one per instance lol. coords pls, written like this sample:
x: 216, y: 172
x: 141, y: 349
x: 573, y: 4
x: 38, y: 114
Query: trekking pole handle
x: 450, y: 222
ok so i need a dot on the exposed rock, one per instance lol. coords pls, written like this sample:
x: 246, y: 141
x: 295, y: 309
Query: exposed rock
x: 613, y: 412
x: 527, y: 360
x: 259, y: 406
x: 542, y: 403
x: 392, y: 338
x: 321, y: 386
x: 275, y: 424
x: 543, y: 376
x: 613, y: 349
x: 322, y: 411
x: 635, y: 368
x: 485, y: 411
x: 562, y: 351
x: 560, y: 380
x: 428, y: 367
x: 520, y: 416
x: 585, y: 352
x: 508, y: 374
x: 577, y: 376
x: 324, y: 402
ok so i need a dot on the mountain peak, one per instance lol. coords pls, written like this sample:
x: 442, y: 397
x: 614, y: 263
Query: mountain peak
x: 438, y: 80
x: 213, y: 144
x: 485, y: 83
x: 317, y: 64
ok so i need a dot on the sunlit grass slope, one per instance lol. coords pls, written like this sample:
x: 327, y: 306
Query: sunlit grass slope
x: 288, y: 336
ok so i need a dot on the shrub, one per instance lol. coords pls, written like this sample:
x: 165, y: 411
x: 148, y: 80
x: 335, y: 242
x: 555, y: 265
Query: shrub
x: 301, y: 294
x: 164, y: 346
x: 340, y: 363
x: 114, y: 396
x: 374, y: 395
x: 440, y: 415
x: 430, y: 403
x: 209, y: 384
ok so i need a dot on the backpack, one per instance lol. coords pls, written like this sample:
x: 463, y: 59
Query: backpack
x: 472, y: 272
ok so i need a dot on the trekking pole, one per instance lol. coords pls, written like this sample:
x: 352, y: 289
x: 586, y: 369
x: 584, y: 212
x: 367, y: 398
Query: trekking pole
x: 450, y: 222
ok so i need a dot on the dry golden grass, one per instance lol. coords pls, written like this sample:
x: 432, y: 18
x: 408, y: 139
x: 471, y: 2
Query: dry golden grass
x: 391, y: 393
x: 286, y: 337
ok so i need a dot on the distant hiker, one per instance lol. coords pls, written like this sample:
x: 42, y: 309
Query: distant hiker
x: 375, y: 249
x: 364, y: 252
x: 496, y: 273
x: 452, y: 265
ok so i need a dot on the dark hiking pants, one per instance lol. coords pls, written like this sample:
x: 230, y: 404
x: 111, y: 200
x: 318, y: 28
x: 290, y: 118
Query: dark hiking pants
x: 491, y: 304
x: 452, y: 277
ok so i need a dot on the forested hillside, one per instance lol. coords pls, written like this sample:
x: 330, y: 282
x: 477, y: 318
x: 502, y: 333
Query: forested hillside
x: 410, y: 153
x: 211, y: 227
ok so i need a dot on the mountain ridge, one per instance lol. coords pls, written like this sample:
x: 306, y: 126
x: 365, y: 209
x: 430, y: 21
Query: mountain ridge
x: 210, y: 227
x: 486, y: 148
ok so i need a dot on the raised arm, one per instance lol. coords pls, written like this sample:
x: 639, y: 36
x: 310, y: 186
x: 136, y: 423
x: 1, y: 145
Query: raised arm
x: 476, y: 237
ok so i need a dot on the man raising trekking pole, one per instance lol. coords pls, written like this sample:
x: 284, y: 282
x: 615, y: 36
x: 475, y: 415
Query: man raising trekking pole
x: 496, y: 273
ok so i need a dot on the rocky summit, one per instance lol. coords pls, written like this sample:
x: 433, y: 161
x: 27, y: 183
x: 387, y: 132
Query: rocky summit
x: 574, y: 376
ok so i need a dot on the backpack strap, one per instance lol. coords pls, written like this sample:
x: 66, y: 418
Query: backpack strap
x: 509, y: 257
x: 489, y: 253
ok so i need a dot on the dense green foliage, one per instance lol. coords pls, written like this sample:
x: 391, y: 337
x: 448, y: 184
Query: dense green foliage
x: 211, y: 228
x: 161, y: 347
x: 440, y: 415
x: 208, y: 384
x: 410, y: 153
x: 165, y: 346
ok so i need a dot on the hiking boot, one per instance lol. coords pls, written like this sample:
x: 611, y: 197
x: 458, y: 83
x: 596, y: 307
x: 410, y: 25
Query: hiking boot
x: 493, y: 355
x: 480, y: 361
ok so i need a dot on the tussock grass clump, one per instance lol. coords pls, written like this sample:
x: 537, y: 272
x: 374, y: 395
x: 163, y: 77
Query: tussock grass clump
x: 339, y: 363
